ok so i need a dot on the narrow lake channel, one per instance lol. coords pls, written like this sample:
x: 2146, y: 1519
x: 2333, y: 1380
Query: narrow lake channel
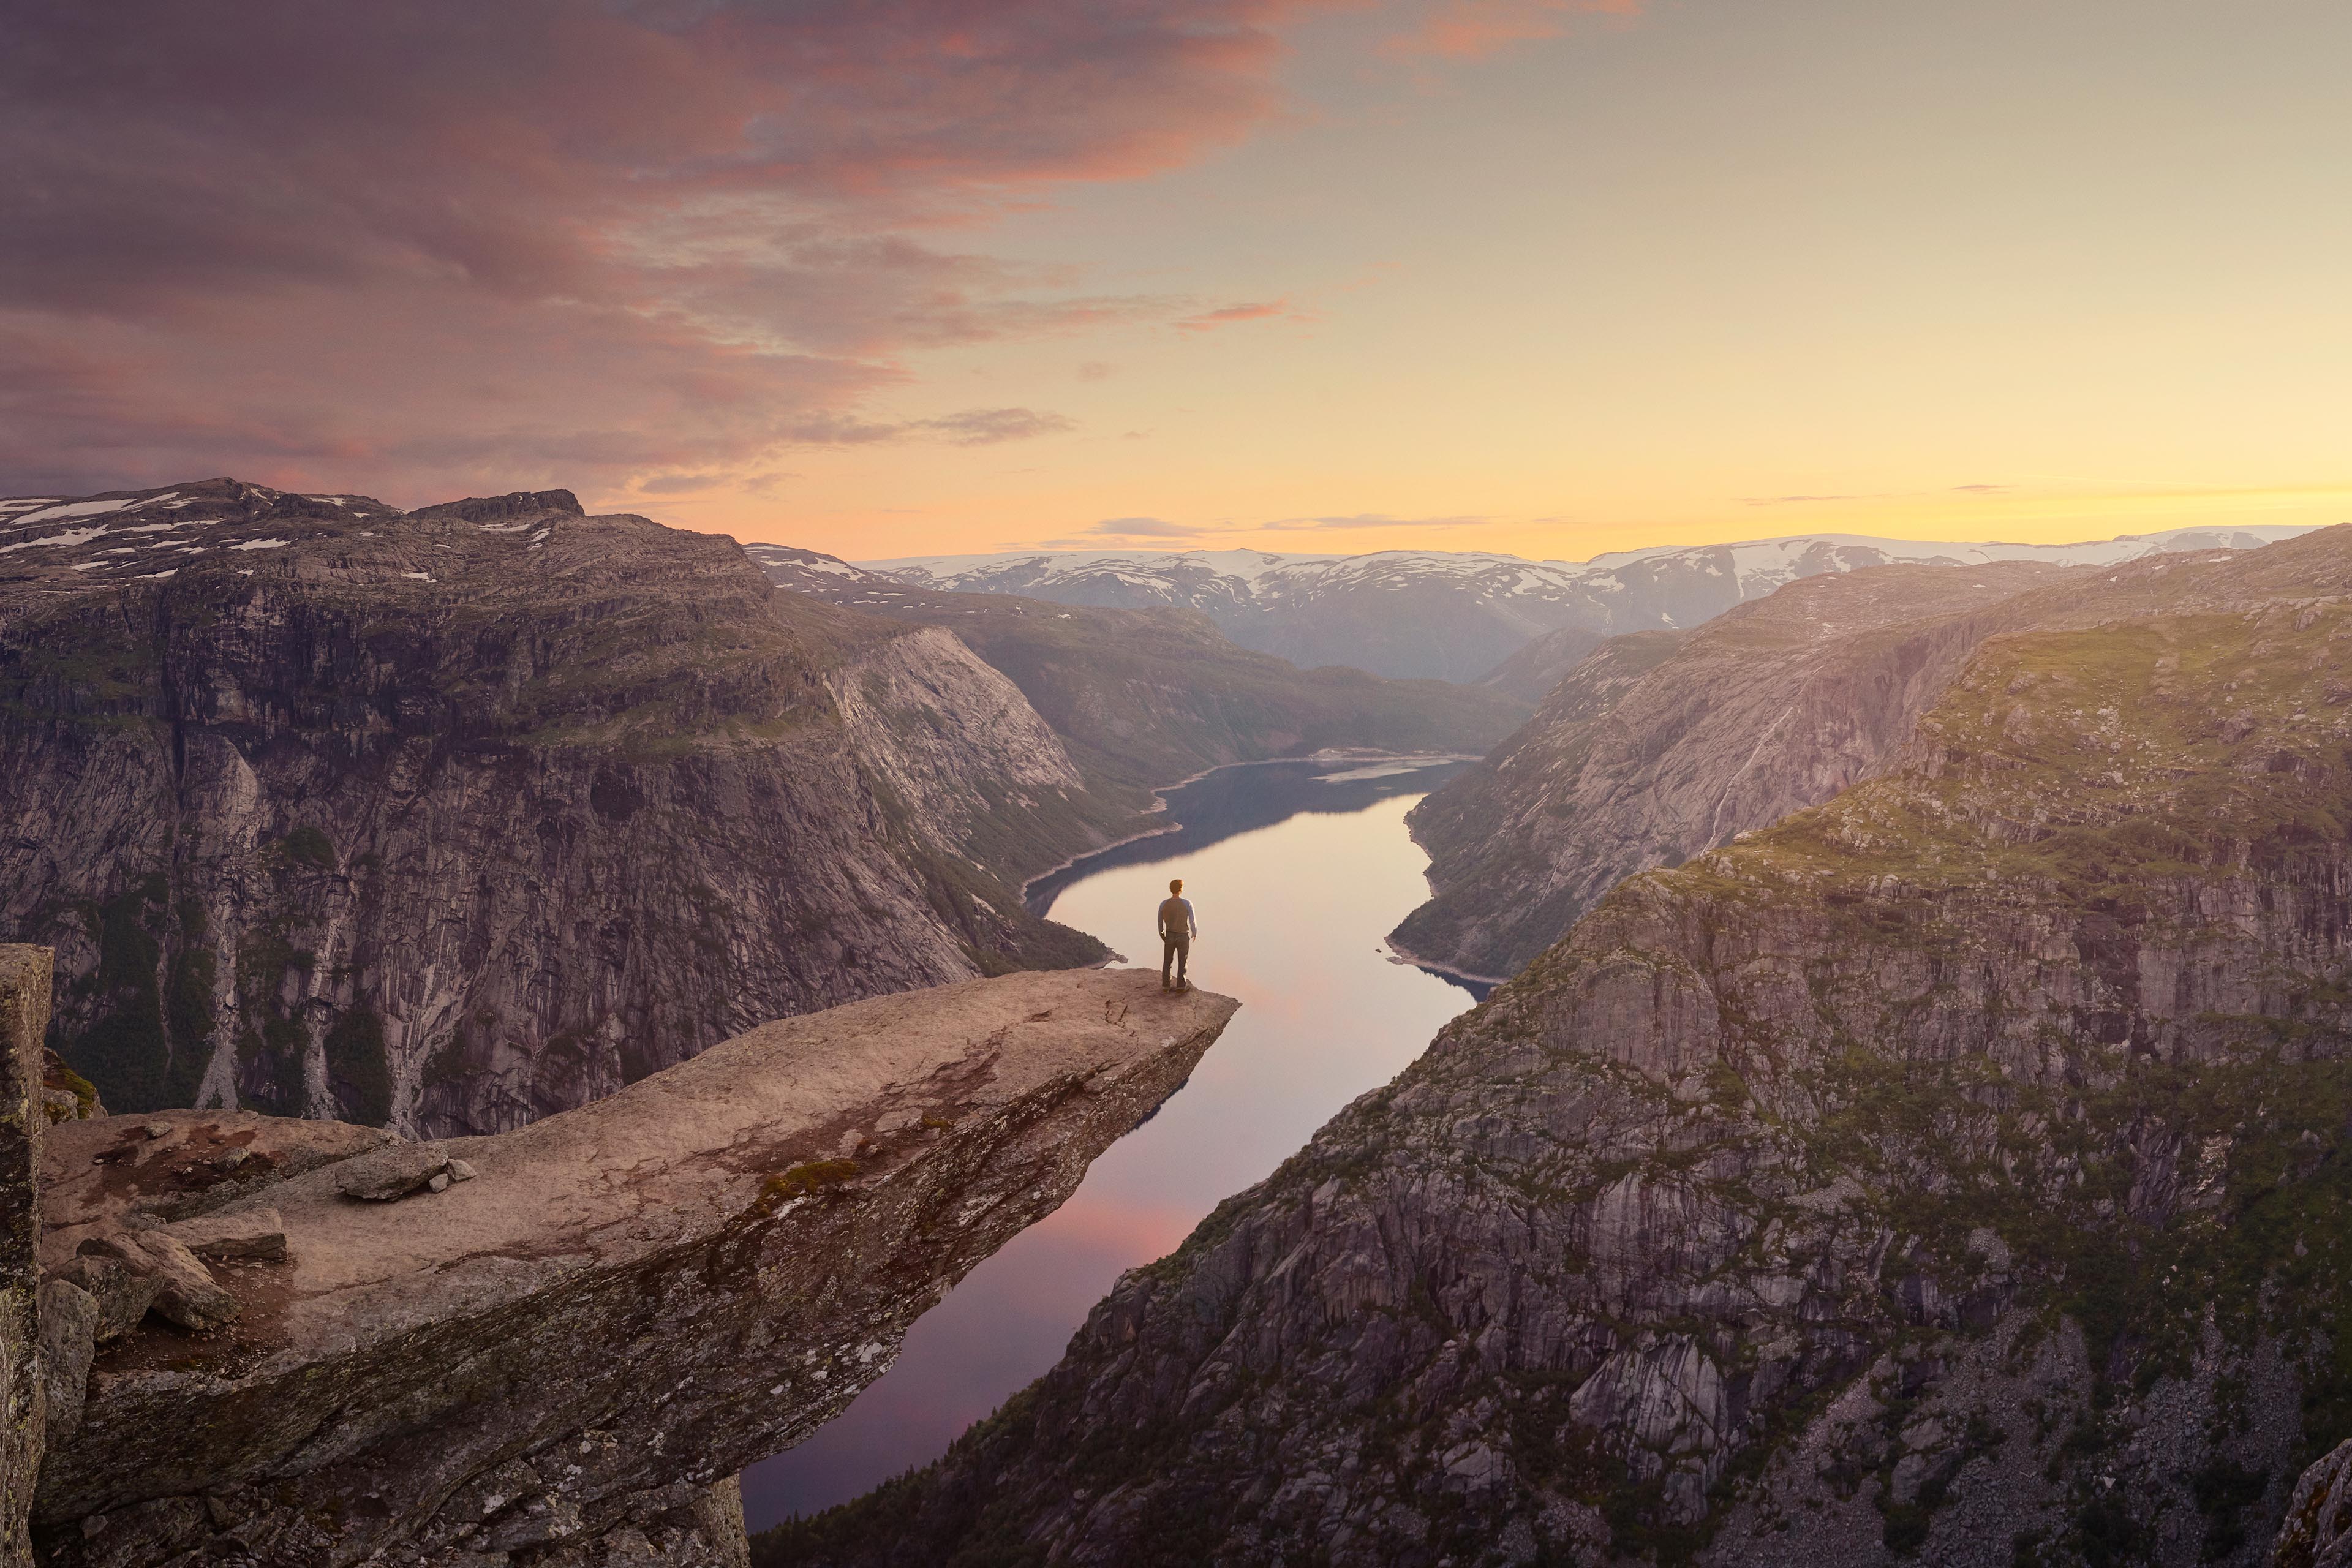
x: 1298, y: 870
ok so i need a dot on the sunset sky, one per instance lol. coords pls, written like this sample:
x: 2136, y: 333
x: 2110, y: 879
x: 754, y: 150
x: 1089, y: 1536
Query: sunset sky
x: 927, y: 277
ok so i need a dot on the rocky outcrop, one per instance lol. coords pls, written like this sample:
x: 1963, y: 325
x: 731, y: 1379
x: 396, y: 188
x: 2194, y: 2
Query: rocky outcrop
x: 1958, y: 1172
x: 24, y: 1120
x: 1146, y: 697
x: 2317, y: 1529
x: 1663, y: 744
x: 562, y: 1361
x: 448, y: 820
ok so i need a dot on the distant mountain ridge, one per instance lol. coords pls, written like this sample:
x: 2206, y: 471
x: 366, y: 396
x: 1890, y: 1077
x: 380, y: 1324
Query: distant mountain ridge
x: 1459, y: 615
x: 1149, y: 696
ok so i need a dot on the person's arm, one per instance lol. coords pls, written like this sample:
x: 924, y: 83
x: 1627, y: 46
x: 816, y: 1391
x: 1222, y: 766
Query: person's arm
x: 1190, y: 919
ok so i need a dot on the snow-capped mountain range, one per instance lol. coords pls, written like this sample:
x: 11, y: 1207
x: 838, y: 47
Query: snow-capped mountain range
x: 1457, y: 616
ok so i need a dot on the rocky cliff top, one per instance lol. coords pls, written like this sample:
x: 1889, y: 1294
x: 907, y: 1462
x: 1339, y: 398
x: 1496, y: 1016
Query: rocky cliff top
x: 680, y: 1277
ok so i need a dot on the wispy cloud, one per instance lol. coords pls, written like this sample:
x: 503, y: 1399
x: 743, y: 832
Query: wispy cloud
x: 987, y: 427
x: 1875, y: 495
x: 1144, y: 527
x: 1232, y: 315
x: 681, y: 484
x: 1372, y: 519
x: 1473, y: 29
x: 1122, y: 529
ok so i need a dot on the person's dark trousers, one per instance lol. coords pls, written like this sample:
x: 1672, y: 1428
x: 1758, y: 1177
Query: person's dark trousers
x: 1176, y: 952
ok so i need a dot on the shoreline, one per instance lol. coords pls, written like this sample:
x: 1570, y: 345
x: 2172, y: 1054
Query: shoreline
x: 1400, y: 953
x: 1159, y: 793
x: 1405, y: 955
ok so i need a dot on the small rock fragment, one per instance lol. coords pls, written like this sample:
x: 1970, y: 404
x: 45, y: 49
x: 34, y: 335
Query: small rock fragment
x: 439, y: 1182
x: 459, y: 1171
x: 391, y: 1174
x: 157, y: 1129
x: 230, y: 1158
x: 247, y: 1233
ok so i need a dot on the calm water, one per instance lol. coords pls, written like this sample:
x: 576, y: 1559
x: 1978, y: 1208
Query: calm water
x: 1296, y: 871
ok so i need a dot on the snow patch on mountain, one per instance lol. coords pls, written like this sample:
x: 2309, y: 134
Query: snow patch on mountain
x: 1458, y: 614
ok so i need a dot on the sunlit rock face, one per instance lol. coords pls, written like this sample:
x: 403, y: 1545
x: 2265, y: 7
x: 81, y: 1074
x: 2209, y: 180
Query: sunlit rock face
x: 445, y: 820
x: 1954, y: 1173
x: 556, y: 1346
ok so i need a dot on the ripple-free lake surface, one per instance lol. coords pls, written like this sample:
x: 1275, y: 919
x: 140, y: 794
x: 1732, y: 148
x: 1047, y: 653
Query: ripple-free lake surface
x: 1296, y: 871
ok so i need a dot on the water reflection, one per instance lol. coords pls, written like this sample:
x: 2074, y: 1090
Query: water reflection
x: 1297, y: 871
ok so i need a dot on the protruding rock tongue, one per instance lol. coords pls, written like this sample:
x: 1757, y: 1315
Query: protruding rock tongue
x: 630, y: 1301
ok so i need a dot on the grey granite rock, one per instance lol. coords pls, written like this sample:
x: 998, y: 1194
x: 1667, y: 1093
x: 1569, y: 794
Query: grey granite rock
x: 390, y: 1174
x: 186, y: 1293
x: 249, y: 1234
x: 26, y: 988
x: 68, y: 1342
x: 120, y: 1293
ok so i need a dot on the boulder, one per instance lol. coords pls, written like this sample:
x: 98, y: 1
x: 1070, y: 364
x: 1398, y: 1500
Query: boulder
x: 390, y: 1174
x: 103, y: 1174
x: 121, y: 1293
x: 188, y: 1295
x: 257, y: 1234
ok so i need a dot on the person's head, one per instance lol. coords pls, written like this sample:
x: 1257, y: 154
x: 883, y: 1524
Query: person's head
x: 1177, y: 886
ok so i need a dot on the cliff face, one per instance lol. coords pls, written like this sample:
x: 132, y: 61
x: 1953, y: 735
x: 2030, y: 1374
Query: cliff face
x: 450, y: 819
x: 1532, y: 673
x: 1663, y: 744
x: 552, y: 1361
x: 1149, y: 696
x: 23, y: 1018
x: 1955, y: 1171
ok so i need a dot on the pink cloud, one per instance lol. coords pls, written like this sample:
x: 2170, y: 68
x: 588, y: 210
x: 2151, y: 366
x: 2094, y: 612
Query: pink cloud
x: 1229, y: 315
x: 424, y: 245
x: 1473, y: 29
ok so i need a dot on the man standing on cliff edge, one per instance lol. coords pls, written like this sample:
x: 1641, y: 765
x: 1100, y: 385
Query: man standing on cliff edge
x: 1177, y: 929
